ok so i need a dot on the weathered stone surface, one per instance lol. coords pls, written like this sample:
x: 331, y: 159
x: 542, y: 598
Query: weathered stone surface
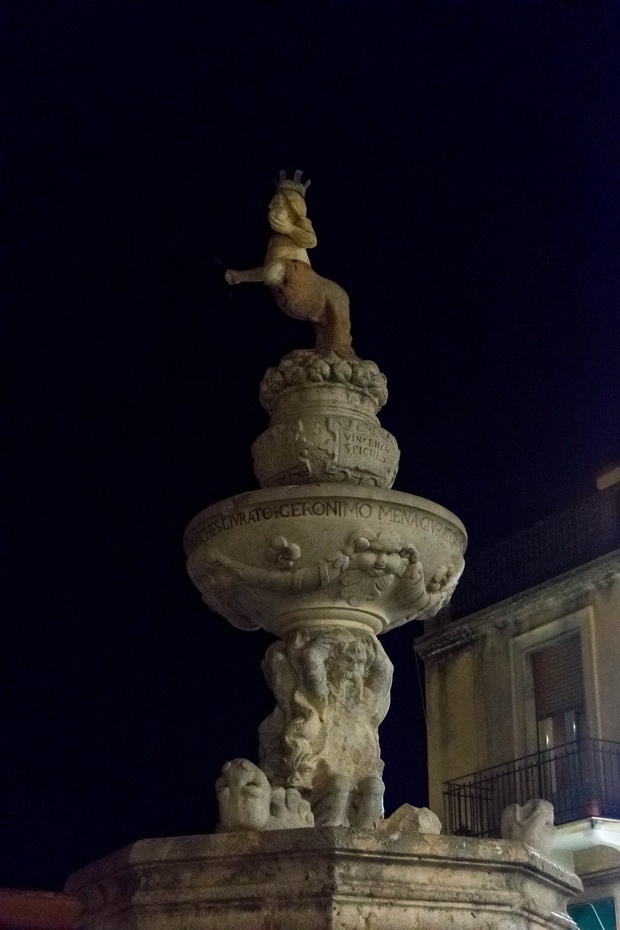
x: 323, y: 879
x: 247, y: 801
x: 307, y: 378
x: 332, y: 687
x: 285, y: 557
x: 326, y: 568
x: 326, y: 564
x: 409, y: 819
x: 325, y: 556
x: 324, y: 427
x: 325, y: 448
x: 530, y: 823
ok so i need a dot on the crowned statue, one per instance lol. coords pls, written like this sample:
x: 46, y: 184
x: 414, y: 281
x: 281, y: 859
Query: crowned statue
x: 298, y: 290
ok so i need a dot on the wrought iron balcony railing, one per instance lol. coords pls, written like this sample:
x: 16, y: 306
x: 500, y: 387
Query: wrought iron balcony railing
x: 581, y: 779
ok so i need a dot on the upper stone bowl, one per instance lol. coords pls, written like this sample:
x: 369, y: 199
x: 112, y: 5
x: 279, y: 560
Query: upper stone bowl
x: 288, y: 557
x: 324, y: 427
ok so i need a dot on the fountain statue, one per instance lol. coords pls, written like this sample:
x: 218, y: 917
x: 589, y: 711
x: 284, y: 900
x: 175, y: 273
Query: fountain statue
x: 325, y: 555
x: 328, y: 558
x: 298, y: 290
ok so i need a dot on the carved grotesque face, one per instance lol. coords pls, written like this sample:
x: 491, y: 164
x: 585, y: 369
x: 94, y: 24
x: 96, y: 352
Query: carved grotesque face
x: 348, y: 663
x: 357, y: 660
x: 378, y: 555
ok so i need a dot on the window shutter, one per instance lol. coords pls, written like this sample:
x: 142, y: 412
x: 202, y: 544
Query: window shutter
x: 558, y: 677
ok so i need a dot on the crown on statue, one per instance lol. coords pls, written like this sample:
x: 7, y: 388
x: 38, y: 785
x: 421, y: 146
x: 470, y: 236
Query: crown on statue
x: 293, y: 184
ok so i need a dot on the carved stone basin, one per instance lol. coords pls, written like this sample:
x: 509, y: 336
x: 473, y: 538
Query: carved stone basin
x: 282, y: 558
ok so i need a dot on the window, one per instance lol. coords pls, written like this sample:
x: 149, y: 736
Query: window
x: 594, y: 915
x: 554, y: 684
x: 559, y: 697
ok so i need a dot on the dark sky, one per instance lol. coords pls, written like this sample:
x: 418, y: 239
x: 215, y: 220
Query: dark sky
x: 465, y: 166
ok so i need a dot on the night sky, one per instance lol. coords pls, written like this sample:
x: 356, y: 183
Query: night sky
x: 465, y: 162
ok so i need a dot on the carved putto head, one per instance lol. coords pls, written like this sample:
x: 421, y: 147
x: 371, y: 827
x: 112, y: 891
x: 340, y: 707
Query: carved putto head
x: 380, y: 553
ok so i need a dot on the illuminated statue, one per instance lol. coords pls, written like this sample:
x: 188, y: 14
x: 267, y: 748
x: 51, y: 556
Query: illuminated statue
x: 298, y: 290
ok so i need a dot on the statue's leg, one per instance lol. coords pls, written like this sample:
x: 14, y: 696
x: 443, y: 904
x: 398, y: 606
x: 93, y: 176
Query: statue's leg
x: 368, y: 803
x: 297, y: 289
x: 330, y: 801
x: 247, y: 276
x: 333, y: 329
x: 305, y: 295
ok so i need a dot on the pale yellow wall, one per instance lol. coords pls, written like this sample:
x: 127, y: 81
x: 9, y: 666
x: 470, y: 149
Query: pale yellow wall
x: 454, y: 707
x: 596, y: 859
x: 495, y: 683
x: 606, y: 605
x: 469, y: 692
x: 470, y: 713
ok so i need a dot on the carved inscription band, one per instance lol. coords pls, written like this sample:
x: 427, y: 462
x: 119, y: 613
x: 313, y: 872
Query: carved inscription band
x: 333, y: 507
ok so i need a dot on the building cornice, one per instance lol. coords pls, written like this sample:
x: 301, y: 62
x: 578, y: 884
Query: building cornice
x: 463, y: 632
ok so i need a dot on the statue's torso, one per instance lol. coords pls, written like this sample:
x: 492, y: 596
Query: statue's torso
x: 281, y: 247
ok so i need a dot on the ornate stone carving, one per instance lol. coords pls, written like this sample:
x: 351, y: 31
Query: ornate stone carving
x: 326, y: 449
x: 305, y: 367
x: 332, y: 688
x: 248, y: 802
x: 323, y: 423
x: 325, y: 567
x: 380, y: 565
x: 275, y: 558
x: 530, y: 823
x: 325, y: 556
x: 298, y: 290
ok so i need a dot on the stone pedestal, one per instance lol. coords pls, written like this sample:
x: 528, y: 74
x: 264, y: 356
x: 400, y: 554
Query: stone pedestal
x: 329, y: 877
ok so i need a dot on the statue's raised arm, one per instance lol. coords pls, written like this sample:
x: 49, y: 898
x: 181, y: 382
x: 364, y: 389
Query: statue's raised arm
x: 298, y: 290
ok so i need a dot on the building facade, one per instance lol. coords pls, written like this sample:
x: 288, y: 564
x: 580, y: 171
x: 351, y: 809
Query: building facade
x: 523, y: 692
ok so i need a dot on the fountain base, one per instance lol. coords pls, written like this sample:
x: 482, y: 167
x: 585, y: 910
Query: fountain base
x: 334, y: 878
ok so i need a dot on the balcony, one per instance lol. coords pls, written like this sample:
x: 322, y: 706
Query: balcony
x: 581, y: 779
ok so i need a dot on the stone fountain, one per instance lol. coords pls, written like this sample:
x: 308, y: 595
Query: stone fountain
x: 326, y: 557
